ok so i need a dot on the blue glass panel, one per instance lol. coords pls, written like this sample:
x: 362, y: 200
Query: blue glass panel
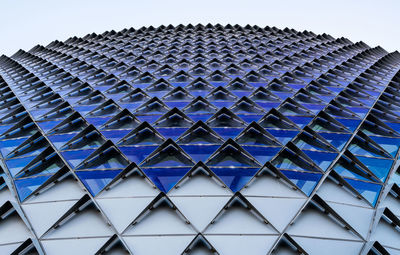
x: 4, y: 128
x: 391, y: 145
x: 267, y: 105
x: 351, y: 124
x: 97, y: 122
x: 300, y: 121
x: 228, y: 132
x: 115, y: 135
x: 17, y: 164
x: 240, y: 94
x: 283, y: 95
x: 315, y: 108
x: 47, y: 125
x: 74, y: 158
x: 197, y: 117
x: 221, y: 104
x: 379, y: 166
x: 359, y: 111
x: 7, y: 146
x: 84, y: 108
x: 148, y: 118
x: 304, y: 181
x: 172, y: 133
x: 260, y: 153
x: 137, y: 153
x: 131, y: 106
x: 59, y: 140
x: 322, y: 159
x: 235, y: 178
x: 96, y: 180
x: 283, y: 136
x: 202, y: 93
x: 337, y: 140
x: 178, y: 105
x: 165, y: 178
x: 26, y: 186
x: 199, y: 152
x: 368, y: 190
x: 250, y: 117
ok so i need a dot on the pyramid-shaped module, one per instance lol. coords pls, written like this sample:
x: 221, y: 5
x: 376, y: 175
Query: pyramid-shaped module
x: 200, y: 139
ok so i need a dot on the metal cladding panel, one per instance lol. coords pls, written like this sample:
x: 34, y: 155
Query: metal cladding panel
x: 203, y: 139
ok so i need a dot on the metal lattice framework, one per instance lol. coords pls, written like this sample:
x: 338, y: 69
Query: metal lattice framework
x: 200, y: 140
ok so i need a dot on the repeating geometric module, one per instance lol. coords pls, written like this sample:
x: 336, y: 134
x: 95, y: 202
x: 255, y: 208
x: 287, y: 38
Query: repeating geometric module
x: 203, y: 139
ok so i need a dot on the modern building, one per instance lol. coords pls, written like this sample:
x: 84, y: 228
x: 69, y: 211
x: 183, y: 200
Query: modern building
x: 203, y: 139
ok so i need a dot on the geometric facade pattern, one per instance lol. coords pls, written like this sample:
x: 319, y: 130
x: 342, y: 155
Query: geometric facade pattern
x: 203, y: 139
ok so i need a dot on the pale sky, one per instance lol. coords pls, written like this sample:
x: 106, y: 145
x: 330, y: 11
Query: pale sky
x: 26, y: 23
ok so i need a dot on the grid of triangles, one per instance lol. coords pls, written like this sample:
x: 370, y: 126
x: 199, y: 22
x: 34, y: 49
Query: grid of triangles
x: 200, y: 140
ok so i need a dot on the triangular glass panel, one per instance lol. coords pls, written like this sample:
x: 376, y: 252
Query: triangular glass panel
x: 174, y: 118
x: 200, y: 133
x: 121, y: 87
x: 373, y: 126
x: 143, y: 134
x: 233, y: 69
x: 254, y: 134
x: 31, y: 146
x: 47, y: 162
x: 291, y: 107
x: 262, y: 94
x: 199, y: 70
x: 231, y: 154
x: 310, y: 140
x: 164, y: 70
x: 73, y: 123
x: 225, y: 118
x: 275, y: 119
x: 200, y: 105
x: 178, y: 94
x: 107, y: 108
x: 221, y: 93
x: 153, y: 106
x: 105, y: 157
x: 253, y: 76
x: 324, y: 122
x: 238, y: 84
x: 181, y: 76
x: 137, y: 95
x: 168, y: 154
x: 246, y: 105
x: 87, y: 138
x: 348, y: 166
x: 144, y: 78
x: 218, y: 76
x: 199, y: 84
x: 160, y: 85
x: 292, y: 158
x: 362, y: 145
x: 279, y: 86
x: 123, y: 120
x: 96, y: 180
x: 61, y: 111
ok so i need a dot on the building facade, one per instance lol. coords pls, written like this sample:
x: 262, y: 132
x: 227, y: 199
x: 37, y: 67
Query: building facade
x: 203, y: 139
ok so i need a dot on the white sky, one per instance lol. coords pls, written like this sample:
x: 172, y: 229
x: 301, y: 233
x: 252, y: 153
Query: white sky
x: 25, y: 23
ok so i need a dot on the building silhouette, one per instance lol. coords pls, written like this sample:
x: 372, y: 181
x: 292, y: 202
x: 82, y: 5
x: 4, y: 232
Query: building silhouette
x: 203, y: 139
